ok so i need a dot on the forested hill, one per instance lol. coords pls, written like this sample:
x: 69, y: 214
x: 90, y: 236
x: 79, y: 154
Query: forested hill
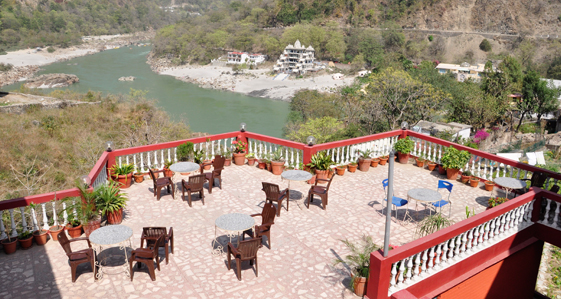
x: 31, y: 23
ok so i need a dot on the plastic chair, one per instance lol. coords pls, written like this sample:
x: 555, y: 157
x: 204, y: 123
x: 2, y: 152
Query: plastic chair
x: 448, y: 186
x: 396, y: 201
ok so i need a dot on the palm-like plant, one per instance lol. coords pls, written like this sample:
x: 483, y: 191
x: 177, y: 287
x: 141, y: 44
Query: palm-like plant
x: 109, y: 199
x: 359, y: 258
x: 433, y: 224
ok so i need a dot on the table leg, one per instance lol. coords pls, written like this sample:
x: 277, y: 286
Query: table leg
x: 123, y: 247
x: 219, y: 248
x: 97, y: 262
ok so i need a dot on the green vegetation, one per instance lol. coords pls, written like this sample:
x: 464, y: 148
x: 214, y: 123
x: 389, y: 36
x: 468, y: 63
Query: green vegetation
x: 454, y: 158
x: 485, y: 45
x: 5, y: 67
x: 359, y: 258
x: 432, y: 224
x: 430, y: 38
x: 404, y: 145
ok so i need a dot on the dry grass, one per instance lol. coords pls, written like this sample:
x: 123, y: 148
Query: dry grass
x: 46, y: 150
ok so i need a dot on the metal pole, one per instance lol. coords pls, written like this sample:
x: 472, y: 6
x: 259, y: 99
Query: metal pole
x: 389, y: 204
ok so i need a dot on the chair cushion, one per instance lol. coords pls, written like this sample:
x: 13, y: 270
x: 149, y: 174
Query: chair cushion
x: 398, y: 202
x: 441, y: 203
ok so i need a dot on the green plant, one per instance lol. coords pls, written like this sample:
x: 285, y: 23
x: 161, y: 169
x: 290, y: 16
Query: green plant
x: 421, y: 158
x: 250, y: 156
x: 51, y: 49
x: 124, y: 169
x: 198, y: 156
x: 365, y: 153
x: 454, y: 158
x: 108, y: 198
x: 277, y: 155
x: 238, y: 146
x: 485, y: 45
x: 167, y: 164
x: 430, y: 38
x: 185, y: 151
x: 495, y: 201
x: 85, y: 206
x: 433, y: 223
x: 72, y: 220
x: 404, y: 145
x: 469, y: 213
x: 320, y: 161
x: 359, y: 258
x: 25, y: 235
x: 466, y: 173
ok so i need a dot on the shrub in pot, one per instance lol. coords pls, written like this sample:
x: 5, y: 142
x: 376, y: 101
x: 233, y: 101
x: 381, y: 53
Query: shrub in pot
x: 374, y: 162
x: 55, y: 230
x: 138, y: 177
x: 441, y: 169
x: 403, y: 147
x: 341, y: 169
x: 454, y: 159
x: 239, y: 152
x: 73, y: 227
x: 185, y: 151
x: 466, y: 175
x: 383, y: 160
x: 431, y: 165
x: 110, y: 202
x: 352, y: 166
x: 420, y: 161
x: 277, y: 162
x: 227, y: 154
x: 122, y: 174
x: 474, y: 181
x: 489, y: 185
x: 167, y: 172
x: 86, y: 209
x: 364, y: 160
x: 40, y: 236
x: 359, y: 262
x: 9, y: 244
x: 25, y: 239
x: 321, y: 163
x: 250, y: 159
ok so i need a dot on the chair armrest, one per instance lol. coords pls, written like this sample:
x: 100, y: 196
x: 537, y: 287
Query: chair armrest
x: 170, y: 233
x: 234, y: 250
x: 255, y: 215
x: 143, y: 252
x: 268, y: 224
x: 206, y: 164
x: 323, y: 180
x: 81, y: 239
x: 283, y: 192
x: 157, y: 171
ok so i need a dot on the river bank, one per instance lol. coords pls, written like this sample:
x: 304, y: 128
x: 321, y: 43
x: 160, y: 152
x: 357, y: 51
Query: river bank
x: 27, y: 62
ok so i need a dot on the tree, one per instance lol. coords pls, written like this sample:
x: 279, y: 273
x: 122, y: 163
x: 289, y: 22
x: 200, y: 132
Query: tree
x: 537, y: 97
x: 485, y: 45
x: 324, y: 129
x: 554, y: 69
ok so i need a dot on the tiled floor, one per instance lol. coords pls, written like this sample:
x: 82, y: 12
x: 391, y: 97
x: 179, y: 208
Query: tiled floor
x: 305, y: 242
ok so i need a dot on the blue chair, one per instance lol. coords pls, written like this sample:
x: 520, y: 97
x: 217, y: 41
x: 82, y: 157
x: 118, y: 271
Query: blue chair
x: 448, y: 186
x: 396, y: 201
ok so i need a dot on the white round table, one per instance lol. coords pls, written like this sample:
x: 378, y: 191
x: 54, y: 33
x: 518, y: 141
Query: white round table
x: 509, y: 184
x: 233, y: 224
x: 295, y: 175
x: 111, y: 236
x: 423, y: 195
x: 184, y: 167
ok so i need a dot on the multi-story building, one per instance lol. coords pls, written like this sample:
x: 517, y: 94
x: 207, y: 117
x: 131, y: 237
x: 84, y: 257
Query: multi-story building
x: 244, y: 57
x: 296, y: 59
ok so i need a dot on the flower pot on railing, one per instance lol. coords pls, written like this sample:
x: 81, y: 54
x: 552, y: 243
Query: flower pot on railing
x: 239, y: 158
x: 465, y: 178
x: 40, y: 236
x: 250, y: 161
x: 452, y: 173
x: 374, y: 162
x: 474, y: 182
x: 420, y: 163
x: 432, y: 166
x: 330, y: 173
x: 403, y: 158
x: 489, y: 185
x: 384, y: 160
x: 9, y: 245
x: 74, y: 231
x: 54, y: 231
x: 364, y: 164
x: 341, y: 170
x: 352, y: 167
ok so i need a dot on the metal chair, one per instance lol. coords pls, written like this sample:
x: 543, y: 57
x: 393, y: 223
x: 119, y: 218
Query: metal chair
x: 396, y: 201
x: 448, y: 186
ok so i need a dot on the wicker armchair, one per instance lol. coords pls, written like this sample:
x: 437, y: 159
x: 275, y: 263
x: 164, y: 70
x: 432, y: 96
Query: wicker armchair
x: 273, y: 193
x: 267, y: 220
x: 195, y: 184
x: 321, y: 191
x: 147, y: 256
x: 76, y: 258
x: 160, y: 183
x: 216, y: 173
x: 151, y: 235
x: 246, y: 251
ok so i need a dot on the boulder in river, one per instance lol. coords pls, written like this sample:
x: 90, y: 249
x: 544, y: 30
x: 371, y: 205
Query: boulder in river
x: 52, y: 81
x: 129, y: 78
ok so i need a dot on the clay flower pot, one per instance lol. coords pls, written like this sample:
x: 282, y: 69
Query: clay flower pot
x: 330, y: 173
x: 115, y: 217
x: 167, y: 172
x: 374, y: 162
x: 268, y: 166
x: 474, y: 182
x: 74, y: 231
x: 40, y: 236
x: 452, y: 173
x: 156, y: 174
x: 441, y: 169
x: 25, y: 243
x: 359, y: 285
x: 9, y: 246
x: 55, y: 230
x: 239, y: 158
x: 322, y: 174
x: 312, y: 180
x: 138, y: 178
x: 420, y: 163
x: 91, y: 226
x: 124, y: 181
x: 228, y: 161
x: 465, y: 178
x: 261, y: 164
x: 364, y: 164
x: 277, y: 167
x: 432, y: 166
x: 341, y: 170
x: 352, y: 167
x: 489, y: 185
x: 403, y: 158
x: 250, y: 161
x: 383, y: 160
x: 208, y: 164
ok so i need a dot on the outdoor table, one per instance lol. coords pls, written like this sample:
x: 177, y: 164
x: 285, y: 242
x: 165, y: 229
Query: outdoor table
x: 111, y: 236
x: 509, y: 184
x: 423, y: 195
x: 233, y: 224
x: 183, y: 167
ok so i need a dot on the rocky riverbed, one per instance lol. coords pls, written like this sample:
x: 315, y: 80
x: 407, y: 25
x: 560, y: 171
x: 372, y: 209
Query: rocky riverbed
x: 52, y: 81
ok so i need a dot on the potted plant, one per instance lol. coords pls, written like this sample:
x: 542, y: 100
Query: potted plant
x: 262, y: 162
x: 432, y: 165
x: 403, y: 147
x: 474, y: 181
x: 489, y: 185
x: 313, y: 179
x: 54, y: 230
x: 86, y: 209
x: 454, y: 159
x: 138, y: 177
x: 239, y: 152
x: 466, y: 175
x: 352, y: 166
x: 40, y: 236
x: 277, y: 162
x: 228, y: 157
x: 110, y: 202
x: 198, y: 157
x: 432, y: 224
x: 441, y: 169
x: 320, y: 163
x: 341, y: 169
x: 383, y: 160
x: 375, y: 162
x: 250, y: 159
x: 122, y: 174
x: 73, y: 227
x: 25, y: 239
x: 167, y: 172
x: 495, y: 201
x: 9, y: 244
x: 420, y: 161
x: 359, y: 263
x: 185, y: 151
x: 364, y: 160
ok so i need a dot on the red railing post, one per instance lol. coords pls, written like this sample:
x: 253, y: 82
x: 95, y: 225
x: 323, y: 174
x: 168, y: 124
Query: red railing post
x: 308, y: 153
x: 403, y: 134
x: 242, y: 138
x: 379, y: 278
x: 110, y: 163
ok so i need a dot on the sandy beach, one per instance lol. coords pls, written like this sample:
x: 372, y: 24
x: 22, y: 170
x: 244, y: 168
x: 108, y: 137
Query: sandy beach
x: 257, y: 83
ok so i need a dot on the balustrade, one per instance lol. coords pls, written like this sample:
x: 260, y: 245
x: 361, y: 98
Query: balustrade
x: 350, y: 153
x: 262, y: 149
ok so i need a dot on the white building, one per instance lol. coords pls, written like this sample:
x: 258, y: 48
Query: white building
x: 244, y: 57
x: 462, y: 71
x: 430, y: 128
x: 296, y: 59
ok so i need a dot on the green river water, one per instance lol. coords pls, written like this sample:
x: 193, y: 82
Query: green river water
x: 204, y: 110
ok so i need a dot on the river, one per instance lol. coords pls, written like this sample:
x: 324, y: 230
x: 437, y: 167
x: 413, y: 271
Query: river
x: 204, y: 110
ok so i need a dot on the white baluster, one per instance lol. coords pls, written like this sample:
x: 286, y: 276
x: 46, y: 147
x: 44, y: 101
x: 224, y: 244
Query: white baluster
x: 142, y: 169
x: 394, y: 273
x: 492, y: 228
x: 64, y: 214
x: 431, y: 259
x: 149, y: 161
x: 134, y: 161
x: 475, y: 240
x: 445, y: 252
x: 14, y: 231
x: 416, y: 267
x: 485, y: 176
x: 2, y: 228
x: 507, y: 221
x: 497, y: 226
x: 74, y: 208
x: 546, y: 214
x: 528, y: 216
x: 175, y: 154
x: 23, y: 219
x: 556, y: 217
x: 400, y: 277
x: 33, y: 220
x: 45, y: 219
x: 452, y: 248
x: 438, y: 258
x: 120, y: 162
x: 503, y: 224
x: 469, y: 240
x: 464, y: 245
x: 162, y: 158
x: 424, y: 258
x: 54, y: 214
x: 481, y: 234
x: 486, y: 230
x: 127, y: 158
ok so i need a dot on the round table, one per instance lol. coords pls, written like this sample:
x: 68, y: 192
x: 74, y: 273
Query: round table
x: 295, y: 175
x: 423, y: 195
x: 184, y: 167
x: 111, y: 236
x: 509, y: 183
x: 233, y: 224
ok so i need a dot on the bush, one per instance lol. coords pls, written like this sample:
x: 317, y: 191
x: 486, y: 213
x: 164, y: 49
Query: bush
x: 430, y: 38
x: 4, y: 67
x: 528, y: 128
x: 51, y: 49
x: 485, y: 45
x: 404, y: 145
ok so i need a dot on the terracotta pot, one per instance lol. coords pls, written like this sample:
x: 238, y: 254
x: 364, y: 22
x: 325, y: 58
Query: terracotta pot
x: 25, y: 243
x: 465, y: 178
x: 352, y: 167
x: 452, y: 173
x: 115, y: 217
x: 250, y: 161
x: 383, y: 160
x: 40, y: 236
x: 420, y: 163
x: 403, y: 158
x: 341, y: 170
x: 364, y: 164
x: 268, y: 166
x: 124, y: 181
x: 54, y: 231
x: 91, y: 226
x: 156, y: 174
x: 206, y: 167
x: 239, y: 158
x: 489, y: 185
x: 322, y: 174
x: 432, y: 166
x: 374, y: 162
x: 9, y: 246
x: 277, y: 167
x: 261, y: 164
x: 474, y: 182
x: 441, y: 169
x: 185, y: 173
x: 74, y: 231
x: 312, y: 180
x: 330, y: 173
x: 359, y: 285
x: 168, y: 173
x: 138, y: 178
x: 228, y: 161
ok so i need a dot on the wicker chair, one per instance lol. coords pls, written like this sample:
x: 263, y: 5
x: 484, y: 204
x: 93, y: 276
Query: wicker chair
x: 160, y: 183
x: 216, y: 173
x: 151, y: 234
x: 147, y: 256
x: 246, y: 251
x: 76, y: 258
x: 273, y: 193
x: 195, y: 184
x: 321, y: 191
x: 267, y: 220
